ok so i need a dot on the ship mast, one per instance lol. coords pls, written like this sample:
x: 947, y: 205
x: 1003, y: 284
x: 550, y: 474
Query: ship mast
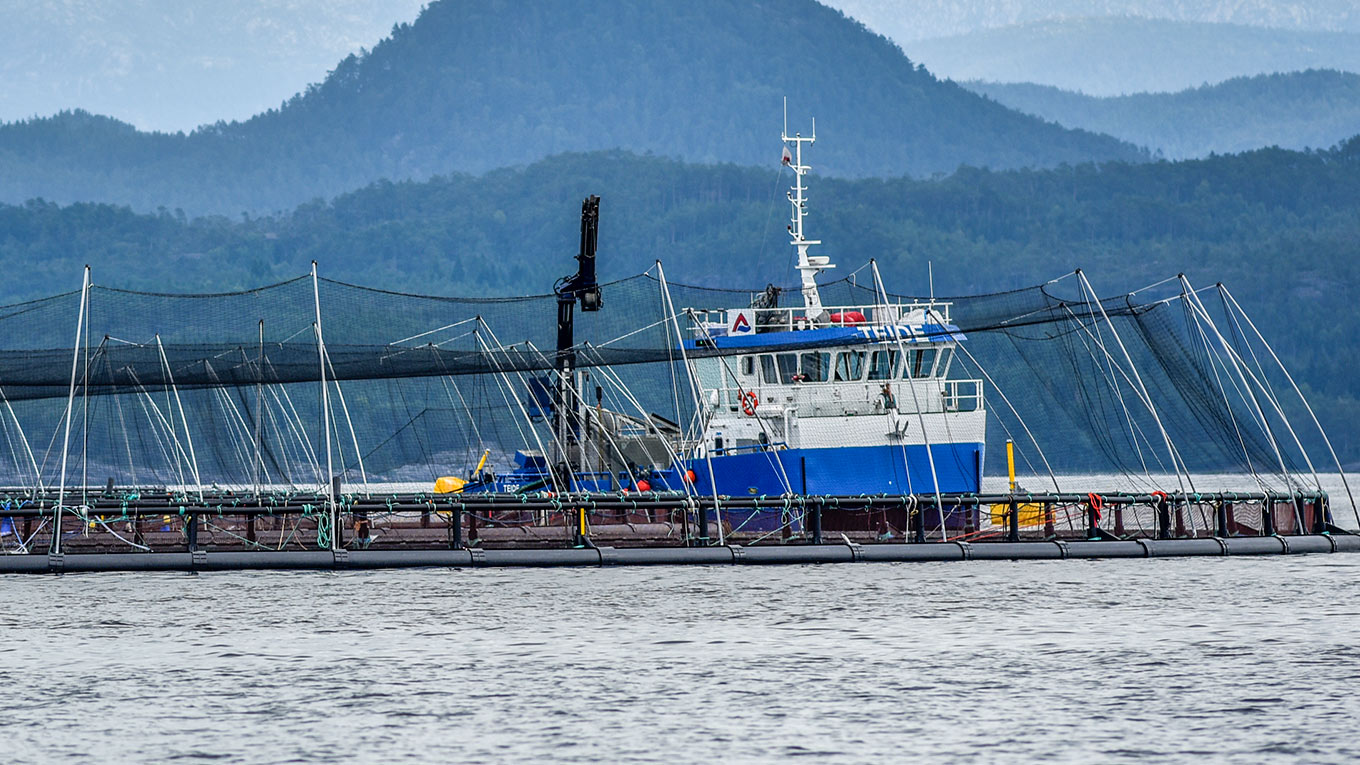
x: 808, y: 265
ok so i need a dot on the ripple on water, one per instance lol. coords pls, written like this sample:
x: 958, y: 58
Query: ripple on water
x: 1232, y: 660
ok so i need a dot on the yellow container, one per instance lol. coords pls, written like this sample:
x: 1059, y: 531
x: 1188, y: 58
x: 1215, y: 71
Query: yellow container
x: 1031, y: 514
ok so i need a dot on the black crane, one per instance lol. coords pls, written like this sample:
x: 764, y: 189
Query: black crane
x: 583, y: 287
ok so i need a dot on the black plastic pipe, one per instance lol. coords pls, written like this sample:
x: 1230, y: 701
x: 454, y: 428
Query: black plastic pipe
x: 726, y: 555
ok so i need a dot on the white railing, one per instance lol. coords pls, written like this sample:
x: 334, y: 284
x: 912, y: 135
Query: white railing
x: 719, y: 321
x: 963, y: 395
x: 858, y: 397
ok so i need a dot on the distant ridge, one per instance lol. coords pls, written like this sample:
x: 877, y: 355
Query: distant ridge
x: 1120, y: 55
x: 1312, y: 109
x: 472, y: 86
x: 942, y: 18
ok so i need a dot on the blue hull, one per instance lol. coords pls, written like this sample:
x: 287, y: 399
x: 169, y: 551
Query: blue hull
x: 841, y: 470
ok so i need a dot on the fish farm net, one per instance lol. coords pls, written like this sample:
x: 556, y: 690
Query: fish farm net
x: 1144, y: 390
x: 297, y: 388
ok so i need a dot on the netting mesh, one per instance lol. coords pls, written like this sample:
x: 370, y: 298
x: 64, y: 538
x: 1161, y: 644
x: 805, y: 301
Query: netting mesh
x: 225, y: 389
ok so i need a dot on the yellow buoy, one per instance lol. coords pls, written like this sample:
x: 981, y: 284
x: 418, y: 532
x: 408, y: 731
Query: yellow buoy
x: 449, y: 484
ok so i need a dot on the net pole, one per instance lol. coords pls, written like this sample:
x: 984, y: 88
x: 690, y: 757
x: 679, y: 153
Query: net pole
x: 23, y: 439
x: 1245, y: 371
x: 259, y: 405
x: 916, y: 401
x: 1147, y: 398
x: 698, y: 406
x: 613, y: 377
x: 1269, y: 391
x: 325, y: 416
x: 1267, y: 387
x: 85, y: 416
x: 508, y: 392
x: 55, y: 547
x: 358, y: 455
x: 1306, y: 405
x: 184, y: 420
x: 1214, y: 363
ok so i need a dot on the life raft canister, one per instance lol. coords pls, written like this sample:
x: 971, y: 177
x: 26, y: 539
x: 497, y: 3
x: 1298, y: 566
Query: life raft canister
x: 849, y: 318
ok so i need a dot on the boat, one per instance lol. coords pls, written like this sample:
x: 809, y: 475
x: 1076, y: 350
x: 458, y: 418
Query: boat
x: 796, y: 399
x: 831, y: 400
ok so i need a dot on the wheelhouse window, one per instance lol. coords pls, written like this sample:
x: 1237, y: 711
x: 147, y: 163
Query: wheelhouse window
x: 779, y: 369
x: 882, y: 365
x: 920, y: 363
x: 849, y: 366
x: 942, y: 366
x: 814, y: 367
x: 748, y: 365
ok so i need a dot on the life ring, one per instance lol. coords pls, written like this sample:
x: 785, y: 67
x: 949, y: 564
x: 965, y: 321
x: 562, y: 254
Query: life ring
x: 749, y: 402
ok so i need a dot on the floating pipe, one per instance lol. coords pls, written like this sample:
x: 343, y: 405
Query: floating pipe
x: 327, y: 560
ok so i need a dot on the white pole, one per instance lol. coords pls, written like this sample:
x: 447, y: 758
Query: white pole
x: 259, y: 405
x: 1325, y: 439
x: 698, y: 405
x: 188, y: 439
x: 37, y: 474
x: 916, y: 401
x: 326, y: 416
x: 55, y: 547
x: 359, y: 455
x: 1147, y: 398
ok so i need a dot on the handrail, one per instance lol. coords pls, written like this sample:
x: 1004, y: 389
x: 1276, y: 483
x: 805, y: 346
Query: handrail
x: 789, y: 318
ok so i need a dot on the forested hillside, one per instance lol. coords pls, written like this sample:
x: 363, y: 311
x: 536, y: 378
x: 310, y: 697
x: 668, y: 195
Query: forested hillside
x: 1280, y: 228
x: 1299, y: 110
x: 1116, y: 56
x: 472, y: 86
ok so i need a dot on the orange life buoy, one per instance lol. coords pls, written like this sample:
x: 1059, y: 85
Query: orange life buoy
x: 749, y: 402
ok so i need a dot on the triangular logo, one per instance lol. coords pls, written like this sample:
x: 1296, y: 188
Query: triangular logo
x: 741, y: 324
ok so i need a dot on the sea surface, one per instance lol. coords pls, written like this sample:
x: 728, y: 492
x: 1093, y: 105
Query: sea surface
x: 1163, y: 660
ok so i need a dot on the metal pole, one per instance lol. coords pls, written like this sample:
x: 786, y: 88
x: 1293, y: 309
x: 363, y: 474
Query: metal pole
x: 1146, y: 397
x: 55, y: 547
x: 325, y: 414
x: 916, y: 402
x: 259, y: 407
x: 189, y: 439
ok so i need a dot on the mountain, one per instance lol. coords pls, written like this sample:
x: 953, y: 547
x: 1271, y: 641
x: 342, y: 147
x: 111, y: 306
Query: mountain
x: 1115, y: 56
x: 175, y: 66
x: 908, y: 20
x: 472, y: 86
x: 1312, y: 109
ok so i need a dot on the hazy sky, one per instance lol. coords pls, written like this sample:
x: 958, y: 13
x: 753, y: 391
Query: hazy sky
x: 177, y: 64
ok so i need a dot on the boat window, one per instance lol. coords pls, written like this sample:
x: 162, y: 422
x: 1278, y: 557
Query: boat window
x: 748, y: 365
x: 815, y: 367
x: 849, y: 365
x: 942, y: 366
x: 788, y: 367
x: 920, y: 363
x: 882, y: 365
x: 768, y: 373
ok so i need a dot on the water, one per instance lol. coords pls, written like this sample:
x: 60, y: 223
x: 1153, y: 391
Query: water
x: 1232, y: 659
